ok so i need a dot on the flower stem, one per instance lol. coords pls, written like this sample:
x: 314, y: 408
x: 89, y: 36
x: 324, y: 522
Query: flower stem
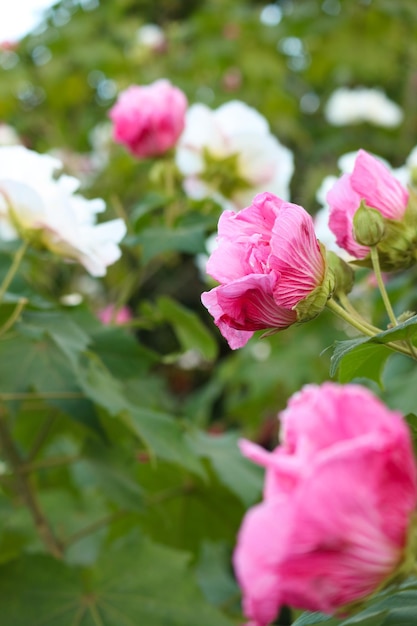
x: 13, y: 269
x: 364, y: 328
x: 350, y: 319
x: 14, y: 316
x: 348, y: 306
x: 381, y: 286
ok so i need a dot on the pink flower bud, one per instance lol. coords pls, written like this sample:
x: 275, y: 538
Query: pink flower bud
x: 372, y: 182
x: 149, y: 119
x: 339, y: 494
x: 122, y: 316
x: 269, y: 265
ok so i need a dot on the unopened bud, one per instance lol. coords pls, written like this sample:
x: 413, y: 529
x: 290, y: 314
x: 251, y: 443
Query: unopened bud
x: 368, y: 226
x: 343, y: 273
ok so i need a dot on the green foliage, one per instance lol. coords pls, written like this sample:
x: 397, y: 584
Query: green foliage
x: 366, y: 356
x: 122, y: 487
x: 136, y: 582
x: 394, y: 607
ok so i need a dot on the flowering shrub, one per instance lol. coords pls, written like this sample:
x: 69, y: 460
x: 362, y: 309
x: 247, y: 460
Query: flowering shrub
x: 122, y: 485
x: 339, y: 495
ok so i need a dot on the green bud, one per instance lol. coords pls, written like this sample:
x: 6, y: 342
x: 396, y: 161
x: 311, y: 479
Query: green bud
x: 343, y: 273
x: 308, y: 308
x: 368, y: 226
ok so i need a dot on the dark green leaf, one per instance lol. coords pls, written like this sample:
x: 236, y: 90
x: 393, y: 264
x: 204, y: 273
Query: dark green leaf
x: 136, y: 583
x: 190, y: 331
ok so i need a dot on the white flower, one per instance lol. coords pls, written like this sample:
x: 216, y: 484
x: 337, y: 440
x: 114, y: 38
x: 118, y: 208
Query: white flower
x: 233, y: 131
x: 352, y: 106
x: 151, y: 36
x: 8, y: 135
x: 37, y: 205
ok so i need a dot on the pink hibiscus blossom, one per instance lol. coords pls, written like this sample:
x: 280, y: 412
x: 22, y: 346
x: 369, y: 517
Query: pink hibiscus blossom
x: 267, y: 262
x: 372, y: 182
x: 149, y: 119
x: 339, y: 494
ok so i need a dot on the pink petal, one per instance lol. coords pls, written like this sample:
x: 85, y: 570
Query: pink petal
x: 235, y: 338
x: 344, y: 202
x: 296, y: 255
x: 374, y: 182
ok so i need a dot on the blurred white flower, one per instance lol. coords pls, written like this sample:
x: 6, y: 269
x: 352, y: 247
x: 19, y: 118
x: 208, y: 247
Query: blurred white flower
x: 230, y: 155
x: 151, y: 36
x: 8, y: 136
x: 37, y: 205
x: 352, y: 106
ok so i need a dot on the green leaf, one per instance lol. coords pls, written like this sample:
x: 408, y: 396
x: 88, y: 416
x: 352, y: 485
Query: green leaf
x: 165, y: 437
x: 366, y: 356
x: 162, y: 433
x: 138, y: 582
x: 121, y: 353
x: 316, y: 618
x: 155, y: 241
x: 242, y: 477
x: 358, y: 358
x: 214, y: 573
x: 101, y: 387
x: 190, y: 331
x: 404, y: 331
x: 395, y: 606
x: 104, y: 470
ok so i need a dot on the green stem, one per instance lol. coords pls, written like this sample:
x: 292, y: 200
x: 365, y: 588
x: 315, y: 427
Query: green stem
x: 350, y: 319
x: 41, y: 395
x: 348, y: 306
x: 14, y: 316
x: 13, y: 269
x: 94, y: 527
x: 344, y: 315
x: 26, y: 491
x: 42, y: 436
x: 381, y: 286
x: 48, y: 463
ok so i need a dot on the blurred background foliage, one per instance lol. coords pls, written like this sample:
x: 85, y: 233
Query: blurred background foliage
x: 150, y: 443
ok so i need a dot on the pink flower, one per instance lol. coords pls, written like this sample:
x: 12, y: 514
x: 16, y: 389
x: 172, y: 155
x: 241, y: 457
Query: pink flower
x: 372, y: 182
x: 268, y: 261
x: 149, y: 119
x: 122, y: 316
x: 339, y: 494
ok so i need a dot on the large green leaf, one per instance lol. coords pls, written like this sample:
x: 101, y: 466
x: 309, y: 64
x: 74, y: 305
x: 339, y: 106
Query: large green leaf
x: 162, y: 433
x: 135, y: 583
x: 356, y: 358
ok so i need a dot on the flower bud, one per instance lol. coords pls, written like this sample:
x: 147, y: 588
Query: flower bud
x: 343, y: 273
x: 368, y: 226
